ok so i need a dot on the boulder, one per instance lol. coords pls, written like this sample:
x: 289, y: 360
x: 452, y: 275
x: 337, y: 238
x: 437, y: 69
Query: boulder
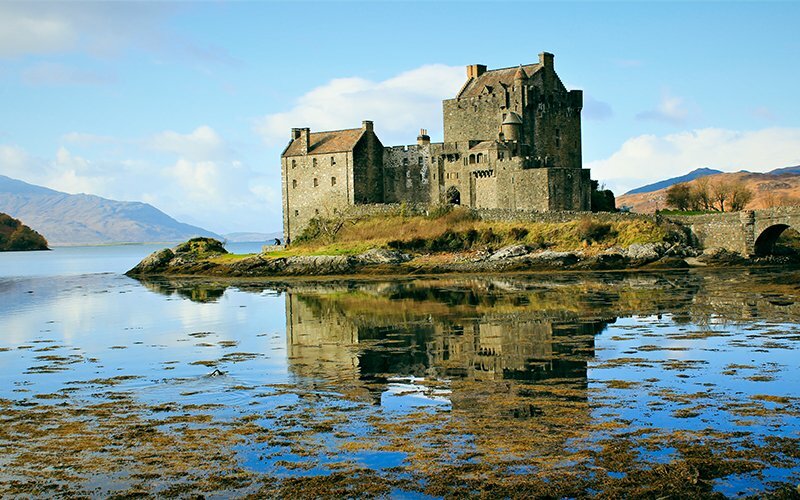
x: 156, y: 262
x: 510, y: 252
x: 647, y: 252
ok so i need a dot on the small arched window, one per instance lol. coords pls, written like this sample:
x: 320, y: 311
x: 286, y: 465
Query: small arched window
x: 316, y: 182
x: 314, y: 162
x: 294, y: 183
x: 479, y: 158
x: 333, y: 161
x: 333, y: 181
x: 294, y: 163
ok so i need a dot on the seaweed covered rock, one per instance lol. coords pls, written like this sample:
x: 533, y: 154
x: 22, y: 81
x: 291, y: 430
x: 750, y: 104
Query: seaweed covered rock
x: 16, y: 236
x: 186, y: 257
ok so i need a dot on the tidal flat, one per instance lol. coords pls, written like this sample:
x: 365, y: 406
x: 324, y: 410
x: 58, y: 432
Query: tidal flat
x: 648, y: 384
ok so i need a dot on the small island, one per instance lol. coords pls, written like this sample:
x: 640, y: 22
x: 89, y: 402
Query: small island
x: 450, y: 239
x: 16, y: 236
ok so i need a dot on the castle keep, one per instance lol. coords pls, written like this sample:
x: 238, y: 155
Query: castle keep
x: 512, y: 139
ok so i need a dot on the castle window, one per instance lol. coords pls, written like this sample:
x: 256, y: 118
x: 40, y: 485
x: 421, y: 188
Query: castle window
x: 434, y: 176
x: 314, y: 162
x: 333, y: 181
x: 296, y: 213
x: 333, y: 161
x: 471, y: 159
x: 294, y: 163
x: 316, y: 211
x: 558, y: 137
x: 479, y: 158
x: 316, y: 181
x: 405, y: 162
x: 294, y: 183
x: 419, y: 161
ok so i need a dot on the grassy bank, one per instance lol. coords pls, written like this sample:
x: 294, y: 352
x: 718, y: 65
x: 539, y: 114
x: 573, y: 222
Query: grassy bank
x: 456, y: 230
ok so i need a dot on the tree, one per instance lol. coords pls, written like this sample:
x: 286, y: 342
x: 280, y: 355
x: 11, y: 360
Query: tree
x: 679, y: 196
x: 720, y: 193
x: 740, y: 196
x: 602, y: 199
x: 701, y: 196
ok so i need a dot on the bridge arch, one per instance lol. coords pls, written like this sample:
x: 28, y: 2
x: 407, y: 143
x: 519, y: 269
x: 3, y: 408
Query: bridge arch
x: 765, y: 242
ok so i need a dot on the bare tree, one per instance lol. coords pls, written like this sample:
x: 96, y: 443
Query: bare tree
x: 740, y: 196
x: 701, y: 193
x: 720, y: 193
x: 679, y: 196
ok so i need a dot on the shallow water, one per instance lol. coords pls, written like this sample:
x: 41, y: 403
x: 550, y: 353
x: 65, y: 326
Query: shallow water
x: 685, y: 383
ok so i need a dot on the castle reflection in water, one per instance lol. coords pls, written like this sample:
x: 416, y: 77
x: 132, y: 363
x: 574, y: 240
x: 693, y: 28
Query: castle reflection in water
x: 479, y: 330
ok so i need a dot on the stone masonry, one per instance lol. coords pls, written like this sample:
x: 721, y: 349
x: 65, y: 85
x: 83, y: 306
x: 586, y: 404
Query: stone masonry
x: 512, y: 140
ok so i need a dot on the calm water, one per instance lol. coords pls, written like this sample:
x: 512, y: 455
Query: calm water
x: 566, y: 384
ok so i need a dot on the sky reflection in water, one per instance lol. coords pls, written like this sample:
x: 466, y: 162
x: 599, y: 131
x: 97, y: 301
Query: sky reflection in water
x: 318, y: 377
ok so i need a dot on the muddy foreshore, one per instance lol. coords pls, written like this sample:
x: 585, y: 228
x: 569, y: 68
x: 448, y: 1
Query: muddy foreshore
x: 207, y: 257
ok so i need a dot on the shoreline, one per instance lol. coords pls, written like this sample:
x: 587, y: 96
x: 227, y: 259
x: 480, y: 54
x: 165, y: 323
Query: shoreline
x: 207, y: 259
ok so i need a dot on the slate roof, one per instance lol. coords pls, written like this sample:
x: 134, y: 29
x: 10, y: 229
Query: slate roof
x: 495, y: 78
x: 334, y: 141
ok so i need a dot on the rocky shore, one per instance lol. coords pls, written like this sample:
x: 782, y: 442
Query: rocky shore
x: 208, y: 257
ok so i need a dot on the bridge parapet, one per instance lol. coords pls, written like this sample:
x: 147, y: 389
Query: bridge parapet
x: 748, y: 232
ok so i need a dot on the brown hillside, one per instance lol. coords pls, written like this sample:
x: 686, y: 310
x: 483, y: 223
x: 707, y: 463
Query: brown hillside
x: 768, y: 191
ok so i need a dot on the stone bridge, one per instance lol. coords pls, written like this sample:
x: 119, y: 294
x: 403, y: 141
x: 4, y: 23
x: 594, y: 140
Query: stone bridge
x: 749, y: 232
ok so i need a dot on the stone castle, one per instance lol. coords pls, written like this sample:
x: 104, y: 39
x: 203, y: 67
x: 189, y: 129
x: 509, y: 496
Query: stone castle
x: 512, y: 140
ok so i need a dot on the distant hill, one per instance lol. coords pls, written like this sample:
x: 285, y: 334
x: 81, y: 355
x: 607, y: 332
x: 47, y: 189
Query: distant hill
x: 73, y: 219
x: 248, y: 237
x: 694, y: 174
x: 16, y: 236
x: 785, y: 170
x: 776, y: 188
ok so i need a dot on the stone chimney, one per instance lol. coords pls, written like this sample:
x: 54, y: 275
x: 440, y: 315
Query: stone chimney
x: 423, y: 139
x: 295, y: 133
x: 304, y: 137
x: 546, y: 60
x: 475, y: 70
x: 367, y: 125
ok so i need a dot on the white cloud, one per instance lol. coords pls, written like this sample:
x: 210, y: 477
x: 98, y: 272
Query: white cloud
x: 27, y: 30
x: 196, y: 178
x: 399, y: 106
x: 100, y: 29
x: 671, y: 109
x: 649, y: 158
x: 202, y: 143
x: 61, y: 74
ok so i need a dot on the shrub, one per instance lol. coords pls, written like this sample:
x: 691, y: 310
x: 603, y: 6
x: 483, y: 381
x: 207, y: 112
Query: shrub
x: 519, y: 233
x: 591, y: 230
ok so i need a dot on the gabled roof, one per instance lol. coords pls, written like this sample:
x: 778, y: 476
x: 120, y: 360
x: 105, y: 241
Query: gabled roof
x: 334, y: 141
x: 494, y: 78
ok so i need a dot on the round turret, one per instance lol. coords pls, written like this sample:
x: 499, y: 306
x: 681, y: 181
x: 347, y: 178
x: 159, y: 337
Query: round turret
x: 511, y: 127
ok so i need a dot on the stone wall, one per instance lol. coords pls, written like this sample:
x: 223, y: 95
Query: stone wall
x: 723, y: 230
x: 406, y: 174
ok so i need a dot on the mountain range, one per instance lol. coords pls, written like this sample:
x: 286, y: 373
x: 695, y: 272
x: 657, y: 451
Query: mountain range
x: 76, y: 219
x: 774, y: 188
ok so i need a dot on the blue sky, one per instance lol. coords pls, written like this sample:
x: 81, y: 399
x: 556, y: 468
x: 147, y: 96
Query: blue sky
x: 188, y: 105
